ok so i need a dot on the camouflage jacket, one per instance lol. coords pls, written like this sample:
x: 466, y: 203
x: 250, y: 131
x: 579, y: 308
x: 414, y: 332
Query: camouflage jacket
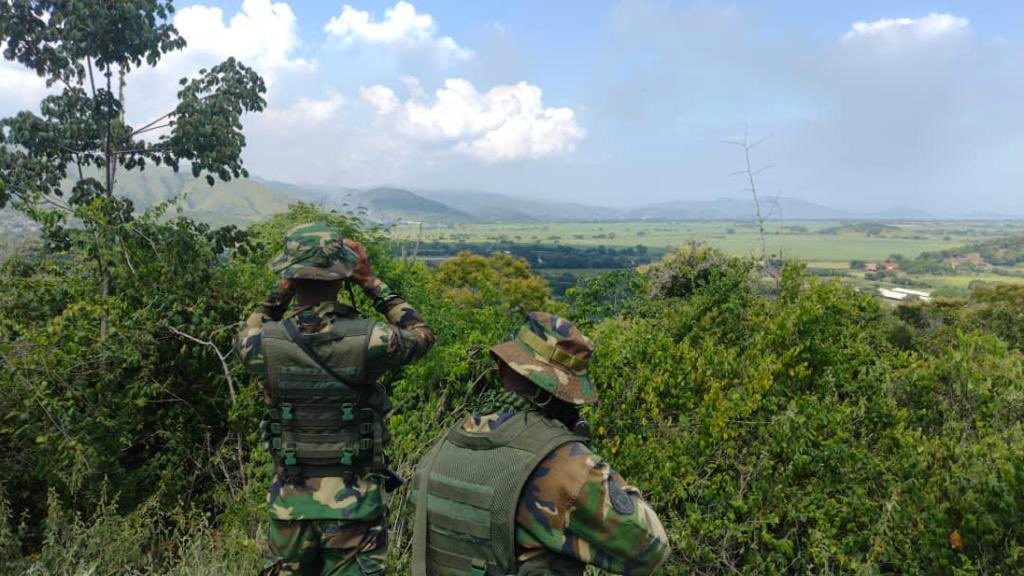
x: 575, y: 505
x: 400, y: 341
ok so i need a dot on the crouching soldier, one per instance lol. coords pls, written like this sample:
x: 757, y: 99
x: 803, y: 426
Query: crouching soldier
x: 319, y: 363
x: 516, y: 488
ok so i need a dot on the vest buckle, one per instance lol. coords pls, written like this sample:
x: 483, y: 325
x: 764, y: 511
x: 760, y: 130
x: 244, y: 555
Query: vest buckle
x: 348, y: 412
x: 346, y: 458
x: 289, y: 457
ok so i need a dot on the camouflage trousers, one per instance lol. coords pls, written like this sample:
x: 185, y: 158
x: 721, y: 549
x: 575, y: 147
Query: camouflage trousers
x: 327, y: 547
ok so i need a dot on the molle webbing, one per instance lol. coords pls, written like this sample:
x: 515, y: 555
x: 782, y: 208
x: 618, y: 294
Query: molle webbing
x: 468, y: 493
x: 317, y: 425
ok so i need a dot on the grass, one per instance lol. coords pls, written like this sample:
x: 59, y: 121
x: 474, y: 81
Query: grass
x: 823, y: 245
x: 790, y: 239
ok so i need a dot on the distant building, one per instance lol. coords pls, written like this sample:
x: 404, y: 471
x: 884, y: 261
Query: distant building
x: 918, y: 294
x: 900, y: 294
x: 974, y: 259
x: 871, y: 267
x: 891, y: 266
x: 892, y: 294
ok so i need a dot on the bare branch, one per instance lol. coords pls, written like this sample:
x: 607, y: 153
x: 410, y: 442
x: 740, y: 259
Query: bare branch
x: 220, y: 356
x: 750, y: 173
x: 150, y: 125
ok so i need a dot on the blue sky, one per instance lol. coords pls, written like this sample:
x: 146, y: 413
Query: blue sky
x: 869, y: 104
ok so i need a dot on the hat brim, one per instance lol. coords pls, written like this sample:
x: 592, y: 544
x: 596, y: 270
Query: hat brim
x: 336, y: 271
x: 564, y: 384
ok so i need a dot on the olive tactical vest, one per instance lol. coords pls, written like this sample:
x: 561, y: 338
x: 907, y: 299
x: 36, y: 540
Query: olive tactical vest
x: 468, y: 489
x: 317, y: 425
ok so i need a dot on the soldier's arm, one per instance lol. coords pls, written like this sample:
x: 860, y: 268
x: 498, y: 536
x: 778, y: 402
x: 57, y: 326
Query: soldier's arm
x: 248, y: 343
x: 405, y: 337
x: 576, y: 505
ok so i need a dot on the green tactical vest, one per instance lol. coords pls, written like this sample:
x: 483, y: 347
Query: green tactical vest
x: 468, y: 489
x: 316, y: 425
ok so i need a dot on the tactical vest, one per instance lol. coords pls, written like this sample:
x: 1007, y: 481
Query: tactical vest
x: 318, y: 426
x: 468, y: 489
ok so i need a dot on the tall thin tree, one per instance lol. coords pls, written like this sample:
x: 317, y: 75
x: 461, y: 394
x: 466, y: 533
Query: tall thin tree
x: 49, y: 161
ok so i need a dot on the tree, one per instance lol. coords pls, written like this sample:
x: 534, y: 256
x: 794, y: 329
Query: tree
x: 500, y: 281
x: 62, y: 163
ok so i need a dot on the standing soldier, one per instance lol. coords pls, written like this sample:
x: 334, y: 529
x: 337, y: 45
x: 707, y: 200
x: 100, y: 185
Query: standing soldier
x: 516, y: 489
x: 319, y: 364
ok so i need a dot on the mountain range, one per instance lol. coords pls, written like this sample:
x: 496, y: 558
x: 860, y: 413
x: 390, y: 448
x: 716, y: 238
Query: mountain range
x: 244, y: 201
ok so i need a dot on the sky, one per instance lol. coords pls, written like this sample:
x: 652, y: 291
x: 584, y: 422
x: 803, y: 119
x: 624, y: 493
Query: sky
x: 866, y: 105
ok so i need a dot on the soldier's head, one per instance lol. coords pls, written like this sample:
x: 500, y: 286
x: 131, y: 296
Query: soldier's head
x: 547, y: 362
x: 316, y: 260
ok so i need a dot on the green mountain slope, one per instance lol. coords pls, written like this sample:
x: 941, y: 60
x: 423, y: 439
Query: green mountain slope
x: 235, y: 202
x: 398, y: 204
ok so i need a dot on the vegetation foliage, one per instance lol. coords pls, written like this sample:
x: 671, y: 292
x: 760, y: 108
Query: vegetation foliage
x: 813, y: 430
x: 801, y: 429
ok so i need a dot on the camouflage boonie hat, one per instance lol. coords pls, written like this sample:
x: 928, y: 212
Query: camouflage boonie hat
x: 553, y: 354
x: 314, y: 251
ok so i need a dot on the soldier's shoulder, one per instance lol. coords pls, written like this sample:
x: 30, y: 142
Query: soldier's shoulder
x: 563, y: 473
x: 575, y: 455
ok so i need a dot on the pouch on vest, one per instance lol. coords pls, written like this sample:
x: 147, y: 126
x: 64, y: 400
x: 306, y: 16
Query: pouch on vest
x: 325, y: 419
x: 468, y: 493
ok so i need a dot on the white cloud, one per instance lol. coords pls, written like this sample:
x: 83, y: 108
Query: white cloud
x: 401, y: 25
x: 382, y: 98
x: 262, y: 34
x: 19, y: 88
x: 507, y: 122
x: 305, y: 112
x: 931, y: 26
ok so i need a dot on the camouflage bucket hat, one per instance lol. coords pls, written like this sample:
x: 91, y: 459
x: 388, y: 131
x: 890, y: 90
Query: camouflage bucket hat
x: 553, y: 354
x: 314, y: 251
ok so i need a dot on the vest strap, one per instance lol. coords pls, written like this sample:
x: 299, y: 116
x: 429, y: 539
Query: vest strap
x: 422, y: 479
x: 300, y: 341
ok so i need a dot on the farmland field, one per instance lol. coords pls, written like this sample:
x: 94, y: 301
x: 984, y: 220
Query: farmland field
x: 828, y: 247
x: 827, y: 243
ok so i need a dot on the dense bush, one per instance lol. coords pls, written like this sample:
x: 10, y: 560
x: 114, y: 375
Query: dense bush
x: 793, y: 436
x: 812, y: 431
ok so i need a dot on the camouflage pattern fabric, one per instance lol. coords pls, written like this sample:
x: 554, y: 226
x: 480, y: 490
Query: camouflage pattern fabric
x: 576, y: 505
x: 335, y: 497
x: 327, y: 547
x: 404, y: 339
x: 553, y: 354
x: 314, y: 251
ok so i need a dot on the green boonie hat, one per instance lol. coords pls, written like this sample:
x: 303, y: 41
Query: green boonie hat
x: 314, y: 251
x: 553, y: 354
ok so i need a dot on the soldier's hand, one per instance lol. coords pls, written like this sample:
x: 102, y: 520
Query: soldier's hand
x: 278, y: 300
x: 284, y: 288
x: 362, y: 274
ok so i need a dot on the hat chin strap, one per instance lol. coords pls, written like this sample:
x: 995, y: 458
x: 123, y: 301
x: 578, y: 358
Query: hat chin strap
x: 533, y: 399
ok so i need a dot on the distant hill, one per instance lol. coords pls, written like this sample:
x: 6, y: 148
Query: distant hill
x: 389, y: 204
x: 239, y: 202
x: 250, y: 200
x: 487, y: 207
x: 739, y: 209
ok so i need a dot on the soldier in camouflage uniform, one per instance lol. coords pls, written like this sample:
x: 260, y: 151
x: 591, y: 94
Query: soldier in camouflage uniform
x: 516, y: 488
x: 318, y: 363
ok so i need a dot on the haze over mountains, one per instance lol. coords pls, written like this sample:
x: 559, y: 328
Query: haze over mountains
x: 248, y: 200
